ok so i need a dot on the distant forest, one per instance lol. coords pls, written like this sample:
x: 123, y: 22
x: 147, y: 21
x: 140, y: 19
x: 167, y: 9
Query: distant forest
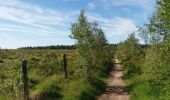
x: 56, y: 47
x: 68, y: 47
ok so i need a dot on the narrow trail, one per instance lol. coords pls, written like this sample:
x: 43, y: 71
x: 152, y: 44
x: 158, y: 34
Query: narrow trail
x: 115, y: 89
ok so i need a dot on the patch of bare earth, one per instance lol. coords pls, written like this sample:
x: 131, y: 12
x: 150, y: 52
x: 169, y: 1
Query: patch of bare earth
x: 115, y: 89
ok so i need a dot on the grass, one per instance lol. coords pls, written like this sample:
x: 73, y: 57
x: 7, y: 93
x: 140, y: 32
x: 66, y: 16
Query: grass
x: 80, y: 90
x: 48, y: 89
x: 139, y: 88
x: 70, y: 89
x: 5, y: 97
x: 51, y: 84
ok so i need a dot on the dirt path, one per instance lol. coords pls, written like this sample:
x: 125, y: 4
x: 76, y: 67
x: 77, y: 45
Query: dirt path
x: 115, y: 89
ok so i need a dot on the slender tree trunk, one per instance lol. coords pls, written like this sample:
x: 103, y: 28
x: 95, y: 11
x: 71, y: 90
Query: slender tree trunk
x: 25, y: 80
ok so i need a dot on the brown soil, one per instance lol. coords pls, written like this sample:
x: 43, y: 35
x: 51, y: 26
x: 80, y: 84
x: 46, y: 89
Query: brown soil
x: 115, y: 89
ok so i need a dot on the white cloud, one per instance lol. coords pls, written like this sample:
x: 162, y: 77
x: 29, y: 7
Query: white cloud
x: 19, y: 19
x: 141, y: 3
x: 120, y: 26
x: 32, y: 30
x: 29, y: 14
x: 91, y: 5
x: 116, y: 26
x: 34, y: 15
x: 33, y: 19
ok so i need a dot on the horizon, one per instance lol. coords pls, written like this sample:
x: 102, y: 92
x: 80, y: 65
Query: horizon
x: 42, y: 23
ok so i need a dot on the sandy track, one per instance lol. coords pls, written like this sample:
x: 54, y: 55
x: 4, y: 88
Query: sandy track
x: 115, y: 89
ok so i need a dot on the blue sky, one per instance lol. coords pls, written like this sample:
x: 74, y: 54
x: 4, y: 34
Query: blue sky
x: 48, y: 22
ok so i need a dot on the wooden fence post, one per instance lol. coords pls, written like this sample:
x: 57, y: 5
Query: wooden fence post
x: 65, y: 65
x: 25, y: 79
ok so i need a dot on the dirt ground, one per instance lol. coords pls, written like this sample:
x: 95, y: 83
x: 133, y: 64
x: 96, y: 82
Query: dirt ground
x: 115, y: 89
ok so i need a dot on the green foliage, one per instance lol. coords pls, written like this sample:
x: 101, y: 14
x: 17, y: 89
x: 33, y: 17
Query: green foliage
x: 91, y: 44
x: 46, y: 76
x: 129, y: 49
x: 156, y: 64
x: 158, y: 55
x: 157, y: 61
x: 11, y: 79
x: 41, y: 65
x: 131, y: 68
x: 131, y: 54
x: 144, y: 91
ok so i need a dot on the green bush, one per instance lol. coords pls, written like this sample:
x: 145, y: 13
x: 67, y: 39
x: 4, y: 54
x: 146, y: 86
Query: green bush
x: 11, y: 82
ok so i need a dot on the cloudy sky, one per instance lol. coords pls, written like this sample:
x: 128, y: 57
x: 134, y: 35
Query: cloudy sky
x: 47, y: 22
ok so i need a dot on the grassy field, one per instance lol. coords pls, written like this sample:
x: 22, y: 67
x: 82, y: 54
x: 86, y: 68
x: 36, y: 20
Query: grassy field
x: 46, y: 76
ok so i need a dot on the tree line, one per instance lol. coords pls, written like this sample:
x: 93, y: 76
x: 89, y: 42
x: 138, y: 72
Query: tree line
x: 56, y: 47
